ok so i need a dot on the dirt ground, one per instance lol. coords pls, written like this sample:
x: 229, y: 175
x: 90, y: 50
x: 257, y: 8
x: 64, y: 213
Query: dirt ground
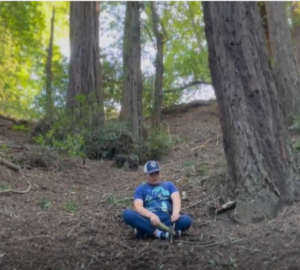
x: 71, y: 218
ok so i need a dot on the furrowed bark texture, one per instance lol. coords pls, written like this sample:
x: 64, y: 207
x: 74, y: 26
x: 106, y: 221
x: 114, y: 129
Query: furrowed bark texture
x: 295, y: 14
x: 159, y: 69
x: 132, y: 110
x: 286, y: 72
x: 84, y: 78
x: 262, y: 173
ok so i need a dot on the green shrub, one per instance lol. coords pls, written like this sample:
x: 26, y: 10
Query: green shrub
x: 157, y: 144
x: 107, y: 141
x: 81, y: 137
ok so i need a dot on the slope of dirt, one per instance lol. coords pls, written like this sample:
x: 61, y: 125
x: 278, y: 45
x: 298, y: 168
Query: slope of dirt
x: 72, y: 216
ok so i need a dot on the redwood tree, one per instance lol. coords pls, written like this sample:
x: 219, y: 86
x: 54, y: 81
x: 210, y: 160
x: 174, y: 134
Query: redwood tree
x: 159, y: 68
x: 262, y: 172
x: 84, y: 73
x: 131, y: 107
x: 286, y: 72
x: 295, y: 14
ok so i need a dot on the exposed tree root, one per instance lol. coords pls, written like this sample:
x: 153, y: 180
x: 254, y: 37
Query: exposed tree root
x: 15, y: 168
x: 17, y: 191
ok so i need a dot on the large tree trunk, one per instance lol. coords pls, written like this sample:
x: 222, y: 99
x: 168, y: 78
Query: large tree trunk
x: 260, y: 163
x: 49, y: 95
x: 264, y: 19
x: 84, y: 78
x: 159, y: 72
x: 132, y: 109
x: 295, y: 14
x: 286, y: 71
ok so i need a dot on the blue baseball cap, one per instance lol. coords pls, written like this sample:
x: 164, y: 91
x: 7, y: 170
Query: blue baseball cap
x: 151, y: 166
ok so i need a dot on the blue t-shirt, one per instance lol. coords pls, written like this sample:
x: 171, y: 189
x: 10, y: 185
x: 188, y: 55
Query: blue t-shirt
x: 157, y: 198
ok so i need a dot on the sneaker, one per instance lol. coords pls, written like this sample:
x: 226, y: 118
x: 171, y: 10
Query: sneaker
x: 177, y: 234
x: 138, y: 235
x: 164, y: 235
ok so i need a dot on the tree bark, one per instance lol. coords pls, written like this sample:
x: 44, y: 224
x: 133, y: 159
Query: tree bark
x: 49, y: 95
x: 84, y: 73
x: 264, y: 19
x: 295, y: 14
x: 262, y: 173
x: 286, y: 72
x: 132, y: 109
x: 159, y: 70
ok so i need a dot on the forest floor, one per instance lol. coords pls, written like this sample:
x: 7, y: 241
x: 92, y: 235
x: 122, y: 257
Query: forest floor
x: 71, y: 218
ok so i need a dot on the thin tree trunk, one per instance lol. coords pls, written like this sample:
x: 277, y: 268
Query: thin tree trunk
x: 159, y: 70
x: 262, y: 172
x: 85, y: 72
x: 132, y: 109
x: 295, y: 14
x: 49, y: 95
x: 286, y: 71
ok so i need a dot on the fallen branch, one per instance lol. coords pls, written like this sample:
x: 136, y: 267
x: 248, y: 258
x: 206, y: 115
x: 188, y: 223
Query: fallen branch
x: 17, y: 122
x: 205, y: 245
x: 22, y: 147
x: 226, y: 207
x: 185, y: 86
x: 9, y: 165
x: 202, y: 145
x: 196, y: 203
x: 182, y: 108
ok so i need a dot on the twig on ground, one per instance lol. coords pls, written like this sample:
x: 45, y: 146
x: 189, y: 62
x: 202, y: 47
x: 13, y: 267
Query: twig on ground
x: 25, y: 238
x: 69, y: 233
x: 7, y: 214
x: 205, y: 245
x: 172, y: 234
x: 196, y: 242
x: 202, y: 145
x: 23, y: 147
x: 140, y: 252
x: 194, y: 204
x: 124, y: 200
x: 169, y: 164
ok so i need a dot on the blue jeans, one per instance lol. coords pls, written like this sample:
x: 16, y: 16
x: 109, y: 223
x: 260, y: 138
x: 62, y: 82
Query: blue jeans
x: 144, y: 226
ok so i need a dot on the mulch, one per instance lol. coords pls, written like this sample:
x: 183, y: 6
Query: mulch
x: 72, y: 216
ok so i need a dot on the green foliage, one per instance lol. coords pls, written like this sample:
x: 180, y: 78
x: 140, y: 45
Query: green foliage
x: 45, y: 204
x: 190, y: 167
x: 62, y: 137
x: 24, y: 28
x: 184, y: 60
x: 4, y: 186
x: 20, y: 127
x: 71, y: 205
x: 157, y: 144
x: 103, y: 142
x: 111, y: 139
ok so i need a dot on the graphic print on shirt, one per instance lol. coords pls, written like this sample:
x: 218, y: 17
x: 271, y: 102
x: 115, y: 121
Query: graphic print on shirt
x: 158, y: 200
